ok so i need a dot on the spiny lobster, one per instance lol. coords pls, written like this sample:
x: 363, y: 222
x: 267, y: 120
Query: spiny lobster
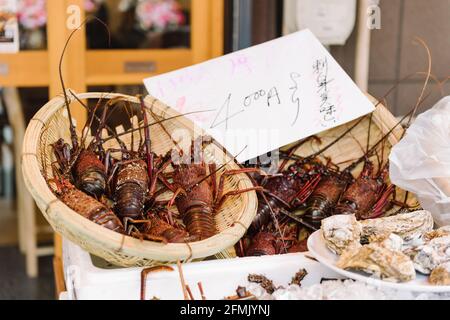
x: 197, y: 195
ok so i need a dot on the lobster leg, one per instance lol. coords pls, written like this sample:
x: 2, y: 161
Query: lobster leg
x: 292, y: 151
x: 222, y: 198
x: 129, y: 230
x: 144, y: 274
x: 157, y: 175
x: 88, y: 124
x: 302, y: 195
x: 379, y: 207
x: 174, y: 196
x: 166, y: 183
x: 128, y: 220
x: 220, y: 187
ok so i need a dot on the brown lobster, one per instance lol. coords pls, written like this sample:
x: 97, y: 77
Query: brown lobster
x: 286, y: 191
x: 300, y: 187
x: 198, y: 196
x: 269, y: 242
x: 156, y: 229
x: 367, y: 197
x: 340, y: 193
x: 136, y: 175
x: 82, y: 162
x: 324, y: 198
x: 87, y: 206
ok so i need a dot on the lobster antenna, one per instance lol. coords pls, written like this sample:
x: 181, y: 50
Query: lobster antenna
x: 156, y: 122
x: 315, y: 154
x: 73, y: 133
x: 157, y: 117
x: 110, y: 130
x: 88, y: 124
x: 147, y: 141
x: 362, y: 158
x: 129, y: 111
x: 368, y: 132
x: 216, y: 170
x: 424, y: 85
x: 272, y: 213
x: 379, y: 101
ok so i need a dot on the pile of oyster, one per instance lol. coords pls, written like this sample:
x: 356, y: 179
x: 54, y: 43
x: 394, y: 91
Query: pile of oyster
x: 391, y: 248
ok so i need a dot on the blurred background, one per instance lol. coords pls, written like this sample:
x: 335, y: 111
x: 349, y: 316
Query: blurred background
x: 374, y: 41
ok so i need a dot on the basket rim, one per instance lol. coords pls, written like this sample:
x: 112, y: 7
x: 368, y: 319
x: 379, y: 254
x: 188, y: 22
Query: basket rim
x: 111, y: 240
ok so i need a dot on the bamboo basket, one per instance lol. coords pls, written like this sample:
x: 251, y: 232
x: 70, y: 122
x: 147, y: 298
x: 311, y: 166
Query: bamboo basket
x: 51, y: 123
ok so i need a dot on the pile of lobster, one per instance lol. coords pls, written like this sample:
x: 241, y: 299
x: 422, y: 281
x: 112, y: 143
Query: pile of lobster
x: 295, y: 199
x: 122, y: 188
x: 125, y: 189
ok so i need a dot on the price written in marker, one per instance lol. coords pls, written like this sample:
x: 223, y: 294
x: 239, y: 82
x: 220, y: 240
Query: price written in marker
x: 265, y: 96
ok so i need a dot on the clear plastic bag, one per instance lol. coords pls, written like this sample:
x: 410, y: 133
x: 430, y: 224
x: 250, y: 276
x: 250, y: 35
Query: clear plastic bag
x: 420, y: 162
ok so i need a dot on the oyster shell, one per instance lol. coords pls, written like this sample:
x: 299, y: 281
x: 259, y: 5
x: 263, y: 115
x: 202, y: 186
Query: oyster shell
x: 341, y: 232
x: 409, y: 226
x: 391, y: 242
x: 440, y: 276
x: 380, y: 261
x: 441, y: 232
x: 430, y: 255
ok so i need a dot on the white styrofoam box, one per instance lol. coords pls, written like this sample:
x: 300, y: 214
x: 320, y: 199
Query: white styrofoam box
x: 90, y: 278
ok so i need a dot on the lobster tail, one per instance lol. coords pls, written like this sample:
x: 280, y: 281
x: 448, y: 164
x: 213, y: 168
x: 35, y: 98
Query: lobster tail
x: 199, y: 221
x: 129, y: 200
x: 159, y: 228
x: 90, y: 208
x: 107, y: 219
x: 131, y: 189
x: 324, y: 198
x: 319, y: 207
x: 89, y: 174
x: 361, y: 195
x: 263, y: 215
x: 262, y: 244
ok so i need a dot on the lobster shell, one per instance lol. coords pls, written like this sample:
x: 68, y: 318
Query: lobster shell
x: 90, y: 208
x: 196, y: 204
x: 89, y: 173
x: 131, y: 188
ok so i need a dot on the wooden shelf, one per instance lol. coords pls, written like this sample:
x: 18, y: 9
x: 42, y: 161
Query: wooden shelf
x: 110, y: 67
x: 24, y: 69
x: 126, y: 67
x: 103, y: 67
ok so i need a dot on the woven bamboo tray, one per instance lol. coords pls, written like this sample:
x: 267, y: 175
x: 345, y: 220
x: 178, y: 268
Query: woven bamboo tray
x: 51, y: 123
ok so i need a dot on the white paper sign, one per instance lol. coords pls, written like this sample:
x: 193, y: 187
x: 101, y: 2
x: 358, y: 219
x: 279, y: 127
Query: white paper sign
x: 266, y: 96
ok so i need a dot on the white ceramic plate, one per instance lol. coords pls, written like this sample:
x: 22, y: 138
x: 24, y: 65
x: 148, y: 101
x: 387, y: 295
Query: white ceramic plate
x: 318, y: 248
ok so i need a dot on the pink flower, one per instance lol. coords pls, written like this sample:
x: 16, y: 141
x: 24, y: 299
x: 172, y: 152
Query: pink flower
x: 92, y: 5
x: 32, y: 14
x: 159, y: 14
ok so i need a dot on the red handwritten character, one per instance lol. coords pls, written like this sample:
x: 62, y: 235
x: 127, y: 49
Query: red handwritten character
x: 240, y: 62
